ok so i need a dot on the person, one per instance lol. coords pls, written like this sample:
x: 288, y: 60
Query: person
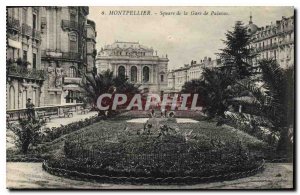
x: 152, y: 113
x: 162, y: 113
x: 30, y: 108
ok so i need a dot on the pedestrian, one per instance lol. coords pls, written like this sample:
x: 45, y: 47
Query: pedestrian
x: 30, y: 109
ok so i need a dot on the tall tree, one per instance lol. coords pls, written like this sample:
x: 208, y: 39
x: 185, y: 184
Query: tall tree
x: 237, y: 55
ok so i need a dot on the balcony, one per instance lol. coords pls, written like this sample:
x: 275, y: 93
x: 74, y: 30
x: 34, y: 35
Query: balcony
x: 13, y: 24
x: 69, y: 25
x: 26, y: 30
x: 70, y: 56
x: 15, y: 70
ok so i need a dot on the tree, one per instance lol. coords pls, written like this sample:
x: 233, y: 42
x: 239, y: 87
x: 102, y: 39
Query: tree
x: 275, y: 99
x: 96, y: 84
x: 237, y: 55
x: 215, y: 88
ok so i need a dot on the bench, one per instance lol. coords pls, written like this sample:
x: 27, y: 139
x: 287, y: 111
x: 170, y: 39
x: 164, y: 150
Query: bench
x: 42, y: 115
x: 84, y: 111
x: 66, y: 113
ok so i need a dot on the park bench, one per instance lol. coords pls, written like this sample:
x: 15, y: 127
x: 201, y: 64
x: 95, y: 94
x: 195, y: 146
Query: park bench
x: 42, y: 115
x: 84, y: 111
x: 66, y: 113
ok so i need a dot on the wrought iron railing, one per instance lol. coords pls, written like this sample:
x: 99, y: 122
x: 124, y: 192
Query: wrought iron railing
x: 13, y: 23
x: 67, y: 24
x: 26, y: 30
x: 61, y: 55
x: 36, y: 34
x: 53, y: 110
x: 23, y: 72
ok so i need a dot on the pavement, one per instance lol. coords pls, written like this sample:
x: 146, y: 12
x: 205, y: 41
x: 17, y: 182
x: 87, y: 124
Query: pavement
x: 55, y: 122
x: 21, y: 175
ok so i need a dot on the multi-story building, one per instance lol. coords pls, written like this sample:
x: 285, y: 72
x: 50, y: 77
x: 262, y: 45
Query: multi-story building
x: 136, y: 62
x: 49, y: 49
x: 274, y: 41
x: 177, y: 77
x: 25, y: 75
x: 91, y: 51
x: 65, y: 55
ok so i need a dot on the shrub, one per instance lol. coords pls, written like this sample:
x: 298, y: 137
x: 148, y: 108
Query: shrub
x: 27, y: 132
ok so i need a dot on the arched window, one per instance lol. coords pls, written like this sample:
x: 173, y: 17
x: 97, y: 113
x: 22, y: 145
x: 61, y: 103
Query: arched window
x: 11, y: 97
x: 146, y: 74
x: 121, y: 71
x: 72, y: 72
x: 133, y: 74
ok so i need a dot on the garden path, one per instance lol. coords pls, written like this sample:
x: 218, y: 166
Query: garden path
x: 31, y: 175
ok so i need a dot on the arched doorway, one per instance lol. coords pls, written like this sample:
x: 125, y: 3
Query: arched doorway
x: 11, y: 97
x: 133, y: 74
x: 121, y: 71
x: 146, y: 74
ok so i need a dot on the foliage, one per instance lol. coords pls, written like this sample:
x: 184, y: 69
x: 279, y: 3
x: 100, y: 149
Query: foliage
x: 97, y: 84
x: 27, y: 131
x: 214, y: 88
x: 56, y: 132
x: 275, y: 99
x: 237, y: 53
x: 253, y: 125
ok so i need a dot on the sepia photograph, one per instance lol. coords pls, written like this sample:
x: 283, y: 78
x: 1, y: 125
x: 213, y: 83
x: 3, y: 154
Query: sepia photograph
x: 150, y: 97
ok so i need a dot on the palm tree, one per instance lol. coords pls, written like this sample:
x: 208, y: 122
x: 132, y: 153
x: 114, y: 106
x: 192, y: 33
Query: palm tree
x: 99, y: 83
x: 215, y: 88
x: 274, y: 99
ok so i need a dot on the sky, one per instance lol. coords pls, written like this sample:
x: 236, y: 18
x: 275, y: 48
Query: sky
x: 182, y: 37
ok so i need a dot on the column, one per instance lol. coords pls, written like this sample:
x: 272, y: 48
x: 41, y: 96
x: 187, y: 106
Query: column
x: 127, y: 70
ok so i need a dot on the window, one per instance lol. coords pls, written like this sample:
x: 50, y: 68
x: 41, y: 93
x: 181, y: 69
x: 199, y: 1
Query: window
x: 146, y: 73
x: 34, y: 21
x: 72, y: 72
x: 133, y: 74
x: 11, y: 97
x: 70, y: 96
x: 162, y: 78
x: 34, y: 61
x: 24, y: 55
x: 121, y: 72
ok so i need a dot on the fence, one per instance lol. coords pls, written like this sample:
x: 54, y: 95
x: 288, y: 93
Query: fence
x: 15, y: 114
x: 152, y: 180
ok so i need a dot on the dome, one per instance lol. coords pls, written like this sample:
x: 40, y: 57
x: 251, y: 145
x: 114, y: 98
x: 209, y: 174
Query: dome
x: 251, y: 28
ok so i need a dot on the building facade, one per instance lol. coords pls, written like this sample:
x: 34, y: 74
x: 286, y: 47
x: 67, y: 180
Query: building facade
x: 274, y: 41
x: 177, y: 77
x: 25, y: 74
x: 136, y: 62
x: 51, y: 48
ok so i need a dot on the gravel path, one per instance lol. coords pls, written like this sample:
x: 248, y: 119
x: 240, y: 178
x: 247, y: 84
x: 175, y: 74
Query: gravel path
x: 20, y: 175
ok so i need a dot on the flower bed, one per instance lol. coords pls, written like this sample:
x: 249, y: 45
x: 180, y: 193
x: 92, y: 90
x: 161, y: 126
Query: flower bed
x: 122, y: 152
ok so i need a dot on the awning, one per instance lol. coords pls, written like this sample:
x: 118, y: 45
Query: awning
x: 72, y: 87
